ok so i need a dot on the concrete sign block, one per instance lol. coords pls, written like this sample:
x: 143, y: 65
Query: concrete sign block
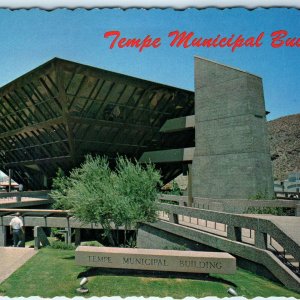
x: 156, y: 260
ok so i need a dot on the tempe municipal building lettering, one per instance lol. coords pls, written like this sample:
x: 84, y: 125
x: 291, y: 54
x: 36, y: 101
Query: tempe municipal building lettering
x: 156, y: 260
x: 145, y: 261
x: 100, y: 259
x: 200, y: 264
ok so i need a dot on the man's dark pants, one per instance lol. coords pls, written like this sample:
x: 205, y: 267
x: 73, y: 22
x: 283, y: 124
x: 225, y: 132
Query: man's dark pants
x: 17, y: 237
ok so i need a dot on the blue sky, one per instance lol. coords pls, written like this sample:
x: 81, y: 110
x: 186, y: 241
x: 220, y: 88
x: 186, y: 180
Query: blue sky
x: 30, y: 38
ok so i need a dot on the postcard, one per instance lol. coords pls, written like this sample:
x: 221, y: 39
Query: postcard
x: 150, y: 153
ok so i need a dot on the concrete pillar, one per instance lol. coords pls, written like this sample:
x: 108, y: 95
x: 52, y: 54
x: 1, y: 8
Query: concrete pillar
x: 261, y: 240
x: 234, y: 233
x: 9, y: 179
x: 77, y: 236
x: 40, y: 237
x: 19, y: 197
x: 37, y: 243
x: 68, y: 235
x: 173, y: 218
x: 232, y: 157
x: 297, y: 210
x: 2, y: 236
x: 190, y: 183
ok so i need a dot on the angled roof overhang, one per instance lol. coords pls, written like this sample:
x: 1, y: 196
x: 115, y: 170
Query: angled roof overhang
x: 57, y: 113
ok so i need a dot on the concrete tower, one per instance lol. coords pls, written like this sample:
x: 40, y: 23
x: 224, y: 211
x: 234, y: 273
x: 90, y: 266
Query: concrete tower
x: 232, y: 158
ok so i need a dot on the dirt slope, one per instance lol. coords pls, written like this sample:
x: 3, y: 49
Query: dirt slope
x: 284, y: 136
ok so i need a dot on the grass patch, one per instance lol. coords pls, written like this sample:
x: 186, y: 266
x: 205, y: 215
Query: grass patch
x: 53, y: 272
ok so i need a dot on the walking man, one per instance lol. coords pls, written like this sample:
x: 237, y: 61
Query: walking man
x: 17, y: 229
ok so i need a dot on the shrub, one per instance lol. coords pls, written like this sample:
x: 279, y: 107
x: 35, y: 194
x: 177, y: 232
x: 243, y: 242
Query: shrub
x: 91, y: 243
x: 61, y: 245
x: 278, y: 211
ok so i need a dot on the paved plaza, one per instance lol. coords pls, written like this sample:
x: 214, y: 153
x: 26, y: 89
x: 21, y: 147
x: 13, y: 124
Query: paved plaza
x: 13, y: 258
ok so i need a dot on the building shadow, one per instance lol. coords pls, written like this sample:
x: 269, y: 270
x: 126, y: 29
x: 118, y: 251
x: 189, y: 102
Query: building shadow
x: 90, y: 272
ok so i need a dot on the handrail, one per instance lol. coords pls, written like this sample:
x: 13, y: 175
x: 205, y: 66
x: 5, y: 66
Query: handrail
x: 214, y: 216
x: 288, y: 203
x: 260, y: 225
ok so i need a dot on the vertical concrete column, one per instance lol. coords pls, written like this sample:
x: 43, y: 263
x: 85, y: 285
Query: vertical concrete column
x: 9, y: 179
x: 261, y: 240
x: 234, y: 233
x: 232, y: 158
x: 68, y: 231
x: 297, y: 210
x: 19, y: 196
x: 2, y: 236
x: 37, y: 242
x: 77, y: 236
x: 173, y: 218
x: 190, y: 183
x: 40, y: 237
x: 68, y: 235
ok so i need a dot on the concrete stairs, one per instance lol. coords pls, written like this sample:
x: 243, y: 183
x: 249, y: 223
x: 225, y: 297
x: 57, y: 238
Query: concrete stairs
x: 289, y: 260
x: 283, y: 271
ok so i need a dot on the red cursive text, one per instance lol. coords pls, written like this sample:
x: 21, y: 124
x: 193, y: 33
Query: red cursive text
x: 188, y: 40
x: 147, y: 42
x: 279, y: 39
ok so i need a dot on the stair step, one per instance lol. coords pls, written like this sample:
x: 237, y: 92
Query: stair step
x: 290, y: 258
x: 295, y: 264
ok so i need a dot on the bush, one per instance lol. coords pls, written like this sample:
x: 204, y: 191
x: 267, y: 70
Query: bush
x: 91, y: 243
x: 262, y: 196
x: 61, y: 245
x: 56, y: 232
x: 277, y: 211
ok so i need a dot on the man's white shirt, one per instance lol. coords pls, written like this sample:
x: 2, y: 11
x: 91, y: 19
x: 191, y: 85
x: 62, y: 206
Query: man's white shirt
x: 16, y: 223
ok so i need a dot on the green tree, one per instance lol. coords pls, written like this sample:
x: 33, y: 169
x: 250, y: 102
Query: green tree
x: 96, y: 194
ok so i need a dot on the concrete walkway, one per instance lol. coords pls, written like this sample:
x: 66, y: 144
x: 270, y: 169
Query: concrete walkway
x: 13, y: 258
x: 289, y: 225
x: 11, y: 202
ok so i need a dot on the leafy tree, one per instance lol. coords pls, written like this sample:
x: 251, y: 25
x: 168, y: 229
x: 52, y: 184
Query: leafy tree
x: 96, y: 194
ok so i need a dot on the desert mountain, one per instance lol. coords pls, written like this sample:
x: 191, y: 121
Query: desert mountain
x: 284, y: 137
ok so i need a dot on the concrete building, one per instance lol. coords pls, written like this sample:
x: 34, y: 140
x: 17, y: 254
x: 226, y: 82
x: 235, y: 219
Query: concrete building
x: 59, y: 112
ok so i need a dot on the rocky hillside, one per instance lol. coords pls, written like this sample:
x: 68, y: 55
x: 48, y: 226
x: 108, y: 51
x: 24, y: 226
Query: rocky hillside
x: 284, y: 136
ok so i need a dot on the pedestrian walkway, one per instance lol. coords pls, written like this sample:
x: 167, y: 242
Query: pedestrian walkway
x: 12, y: 202
x: 12, y: 259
